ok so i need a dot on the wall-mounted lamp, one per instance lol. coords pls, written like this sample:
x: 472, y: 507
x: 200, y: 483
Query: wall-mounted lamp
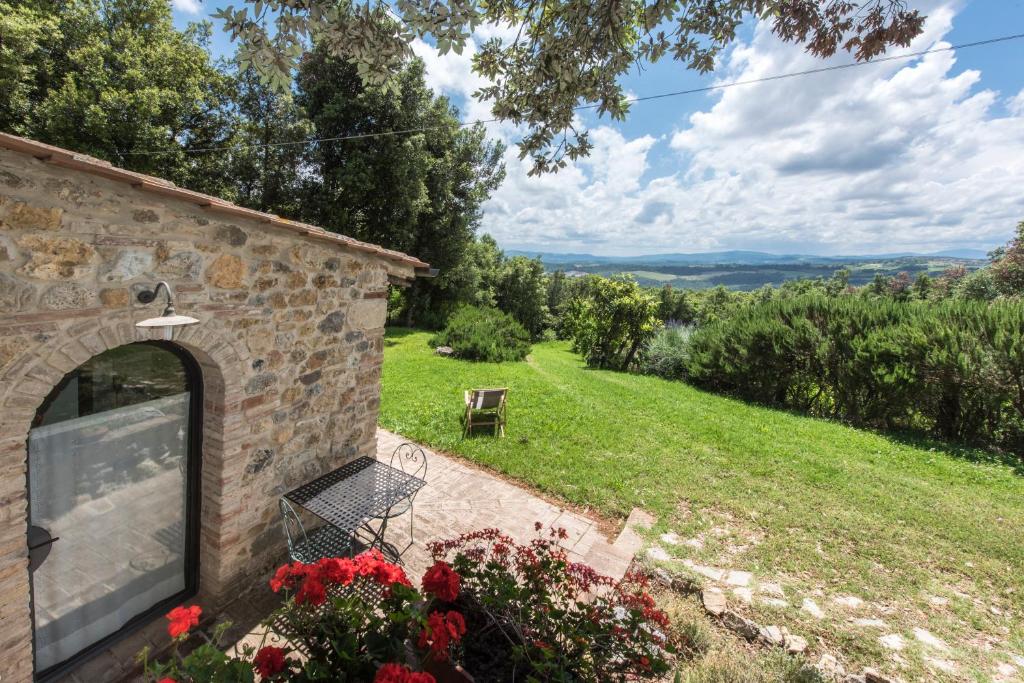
x: 169, y: 320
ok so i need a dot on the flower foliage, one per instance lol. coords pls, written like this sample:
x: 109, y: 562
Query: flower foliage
x: 361, y: 619
x: 565, y: 620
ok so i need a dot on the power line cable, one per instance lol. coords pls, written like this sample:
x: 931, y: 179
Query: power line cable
x: 631, y: 100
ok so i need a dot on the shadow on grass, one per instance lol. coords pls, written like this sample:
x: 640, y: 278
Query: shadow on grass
x: 392, y: 335
x: 977, y: 454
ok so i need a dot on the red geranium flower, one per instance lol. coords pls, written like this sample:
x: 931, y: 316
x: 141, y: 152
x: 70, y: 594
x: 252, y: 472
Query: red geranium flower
x: 312, y: 591
x: 442, y: 630
x: 443, y: 581
x: 182, y: 619
x: 269, y: 661
x: 397, y: 673
x: 167, y: 680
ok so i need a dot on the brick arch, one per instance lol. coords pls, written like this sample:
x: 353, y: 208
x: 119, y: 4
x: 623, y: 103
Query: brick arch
x: 28, y: 381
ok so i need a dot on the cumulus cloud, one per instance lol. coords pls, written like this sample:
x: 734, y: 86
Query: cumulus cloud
x: 892, y: 156
x: 187, y: 6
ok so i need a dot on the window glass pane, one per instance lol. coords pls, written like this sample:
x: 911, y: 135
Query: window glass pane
x: 107, y: 477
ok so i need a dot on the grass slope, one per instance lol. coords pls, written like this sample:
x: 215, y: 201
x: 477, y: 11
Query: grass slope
x: 930, y: 537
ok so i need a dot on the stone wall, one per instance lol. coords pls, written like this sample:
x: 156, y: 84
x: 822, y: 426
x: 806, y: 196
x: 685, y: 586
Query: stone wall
x: 290, y: 346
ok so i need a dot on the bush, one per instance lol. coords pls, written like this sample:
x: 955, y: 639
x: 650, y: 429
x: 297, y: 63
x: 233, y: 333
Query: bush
x: 668, y: 353
x: 953, y: 368
x: 484, y: 334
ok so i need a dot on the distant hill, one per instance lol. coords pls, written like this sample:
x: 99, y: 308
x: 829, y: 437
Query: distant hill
x: 746, y: 270
x: 738, y: 257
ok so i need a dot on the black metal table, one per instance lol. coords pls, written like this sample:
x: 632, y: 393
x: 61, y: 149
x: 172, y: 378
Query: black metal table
x: 352, y: 495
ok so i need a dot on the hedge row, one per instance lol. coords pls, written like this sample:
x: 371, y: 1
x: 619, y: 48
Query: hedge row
x: 954, y: 368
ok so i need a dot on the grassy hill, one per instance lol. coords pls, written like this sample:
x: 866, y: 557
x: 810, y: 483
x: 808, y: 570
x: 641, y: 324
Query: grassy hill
x: 928, y: 536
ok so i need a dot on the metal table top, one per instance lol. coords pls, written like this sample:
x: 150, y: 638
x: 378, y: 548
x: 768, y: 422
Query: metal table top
x: 355, y: 493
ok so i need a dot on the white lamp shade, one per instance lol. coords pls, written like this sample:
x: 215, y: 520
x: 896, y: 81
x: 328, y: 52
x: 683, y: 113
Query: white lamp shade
x: 167, y: 321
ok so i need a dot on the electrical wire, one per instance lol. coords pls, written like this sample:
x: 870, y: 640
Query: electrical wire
x: 631, y: 100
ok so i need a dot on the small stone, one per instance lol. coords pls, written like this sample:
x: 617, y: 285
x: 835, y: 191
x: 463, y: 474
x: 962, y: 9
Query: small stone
x: 930, y: 640
x: 946, y: 665
x: 737, y: 578
x: 226, y: 272
x: 778, y: 603
x: 869, y: 623
x: 739, y: 625
x: 875, y: 676
x: 937, y: 601
x: 893, y: 641
x: 145, y: 216
x: 22, y: 216
x: 694, y: 543
x: 184, y: 265
x: 444, y: 351
x: 14, y: 295
x: 830, y: 666
x: 812, y: 608
x: 1005, y: 670
x: 772, y: 635
x: 744, y: 594
x: 710, y: 572
x: 54, y: 258
x: 658, y: 554
x: 114, y: 298
x: 795, y: 644
x: 232, y: 234
x: 66, y: 296
x: 671, y: 538
x: 714, y: 602
x: 334, y: 322
x: 129, y: 265
x: 772, y: 589
x: 850, y: 601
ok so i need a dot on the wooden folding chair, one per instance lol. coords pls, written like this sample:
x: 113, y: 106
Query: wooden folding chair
x: 485, y: 408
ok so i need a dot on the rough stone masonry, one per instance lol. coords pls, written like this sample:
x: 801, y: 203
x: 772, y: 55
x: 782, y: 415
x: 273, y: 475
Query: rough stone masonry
x: 290, y: 345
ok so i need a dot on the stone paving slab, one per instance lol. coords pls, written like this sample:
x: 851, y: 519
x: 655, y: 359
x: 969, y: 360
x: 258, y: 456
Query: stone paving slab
x: 461, y: 497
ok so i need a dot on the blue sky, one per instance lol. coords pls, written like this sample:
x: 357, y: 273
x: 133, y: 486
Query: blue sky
x: 922, y: 155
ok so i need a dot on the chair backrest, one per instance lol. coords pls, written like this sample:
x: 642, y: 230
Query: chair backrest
x: 411, y: 459
x: 482, y: 399
x: 293, y: 529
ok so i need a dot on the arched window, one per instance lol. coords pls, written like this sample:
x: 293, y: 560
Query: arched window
x: 113, y: 483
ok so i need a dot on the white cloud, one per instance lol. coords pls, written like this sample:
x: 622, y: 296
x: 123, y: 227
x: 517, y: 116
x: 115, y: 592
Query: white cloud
x: 187, y: 6
x: 885, y: 157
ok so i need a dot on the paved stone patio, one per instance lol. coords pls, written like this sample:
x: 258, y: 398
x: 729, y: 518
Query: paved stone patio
x: 458, y: 497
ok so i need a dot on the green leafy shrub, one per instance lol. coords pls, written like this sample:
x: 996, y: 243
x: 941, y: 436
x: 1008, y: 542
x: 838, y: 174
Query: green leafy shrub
x: 668, y: 352
x: 955, y: 368
x: 484, y: 334
x: 611, y: 323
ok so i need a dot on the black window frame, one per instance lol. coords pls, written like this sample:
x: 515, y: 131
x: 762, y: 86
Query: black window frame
x: 193, y: 501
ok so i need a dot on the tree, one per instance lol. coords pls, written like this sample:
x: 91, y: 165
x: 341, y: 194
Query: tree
x: 611, y: 325
x: 116, y: 80
x: 1008, y: 266
x: 420, y: 193
x: 522, y: 293
x: 564, y: 53
x: 267, y: 158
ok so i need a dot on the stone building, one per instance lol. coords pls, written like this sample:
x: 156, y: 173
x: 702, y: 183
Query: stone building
x: 140, y: 470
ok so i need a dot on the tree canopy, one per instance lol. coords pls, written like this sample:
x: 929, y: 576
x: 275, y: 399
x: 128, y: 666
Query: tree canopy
x: 558, y: 54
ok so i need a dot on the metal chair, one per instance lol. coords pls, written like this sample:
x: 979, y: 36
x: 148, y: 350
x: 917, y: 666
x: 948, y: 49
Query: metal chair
x: 323, y: 541
x: 412, y: 460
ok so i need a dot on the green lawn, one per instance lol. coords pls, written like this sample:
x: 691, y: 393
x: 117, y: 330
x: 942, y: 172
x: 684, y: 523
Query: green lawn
x: 927, y: 536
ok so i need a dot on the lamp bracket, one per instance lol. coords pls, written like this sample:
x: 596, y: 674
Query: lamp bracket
x: 146, y: 296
